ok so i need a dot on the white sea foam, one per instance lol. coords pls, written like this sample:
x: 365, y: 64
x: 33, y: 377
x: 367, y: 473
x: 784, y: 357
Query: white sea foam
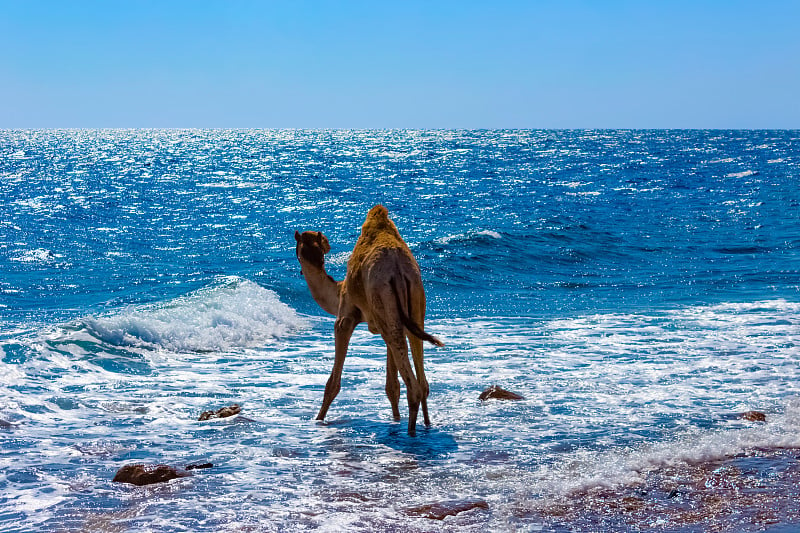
x: 468, y: 236
x: 654, y: 390
x: 234, y: 313
x: 584, y: 193
x: 38, y: 255
x: 588, y: 469
x: 743, y: 174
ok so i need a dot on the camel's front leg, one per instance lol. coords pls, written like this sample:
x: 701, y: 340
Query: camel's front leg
x: 343, y: 330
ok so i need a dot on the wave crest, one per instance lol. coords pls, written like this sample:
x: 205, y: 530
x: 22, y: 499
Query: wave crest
x: 232, y: 313
x: 477, y: 235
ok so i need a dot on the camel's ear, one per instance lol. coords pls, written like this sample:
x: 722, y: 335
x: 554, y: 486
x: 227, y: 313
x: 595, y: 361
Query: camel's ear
x: 323, y: 242
x: 297, y: 236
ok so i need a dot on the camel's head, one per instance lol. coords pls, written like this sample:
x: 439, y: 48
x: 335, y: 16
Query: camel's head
x: 312, y: 247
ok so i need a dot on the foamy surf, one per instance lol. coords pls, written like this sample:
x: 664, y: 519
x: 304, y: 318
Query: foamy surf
x: 735, y: 479
x: 589, y: 469
x: 231, y: 313
x: 600, y: 418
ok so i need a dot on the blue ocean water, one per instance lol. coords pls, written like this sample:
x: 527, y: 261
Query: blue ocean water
x: 638, y: 288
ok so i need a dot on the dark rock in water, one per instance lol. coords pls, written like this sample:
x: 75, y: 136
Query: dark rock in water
x: 496, y: 393
x: 198, y: 466
x: 141, y: 474
x: 233, y: 409
x: 753, y: 416
x: 441, y: 510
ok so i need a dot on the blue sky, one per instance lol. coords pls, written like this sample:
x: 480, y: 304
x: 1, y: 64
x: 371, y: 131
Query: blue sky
x: 400, y: 64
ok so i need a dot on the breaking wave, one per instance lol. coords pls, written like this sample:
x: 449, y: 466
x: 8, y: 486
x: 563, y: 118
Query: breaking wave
x: 232, y: 313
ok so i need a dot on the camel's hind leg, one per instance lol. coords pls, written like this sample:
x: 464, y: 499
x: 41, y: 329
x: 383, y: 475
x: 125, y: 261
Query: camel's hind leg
x: 417, y: 355
x: 417, y: 352
x: 392, y: 384
x: 398, y: 350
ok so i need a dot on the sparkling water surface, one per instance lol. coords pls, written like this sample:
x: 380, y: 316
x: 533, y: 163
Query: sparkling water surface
x: 638, y: 288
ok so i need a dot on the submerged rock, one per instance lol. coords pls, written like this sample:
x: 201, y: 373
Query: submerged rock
x: 233, y: 409
x: 142, y: 474
x: 753, y: 416
x: 441, y: 510
x: 198, y: 466
x: 496, y: 393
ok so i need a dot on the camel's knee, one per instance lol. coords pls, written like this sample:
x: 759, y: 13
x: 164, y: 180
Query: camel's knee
x: 332, y: 387
x: 415, y: 396
x: 344, y: 324
x: 423, y: 385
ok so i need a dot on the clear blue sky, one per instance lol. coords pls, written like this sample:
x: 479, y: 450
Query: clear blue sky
x: 400, y: 64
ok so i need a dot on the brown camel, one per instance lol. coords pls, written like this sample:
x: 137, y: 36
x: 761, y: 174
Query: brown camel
x: 383, y: 288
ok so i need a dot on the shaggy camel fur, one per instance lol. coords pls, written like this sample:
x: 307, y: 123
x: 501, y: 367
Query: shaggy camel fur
x: 383, y: 288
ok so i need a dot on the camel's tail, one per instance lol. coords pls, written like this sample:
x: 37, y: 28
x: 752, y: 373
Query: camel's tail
x: 409, y: 324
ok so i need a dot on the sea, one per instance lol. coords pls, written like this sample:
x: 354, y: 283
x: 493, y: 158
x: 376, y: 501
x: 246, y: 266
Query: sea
x: 640, y: 289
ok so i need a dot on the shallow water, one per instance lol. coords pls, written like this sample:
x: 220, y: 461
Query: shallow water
x: 639, y: 289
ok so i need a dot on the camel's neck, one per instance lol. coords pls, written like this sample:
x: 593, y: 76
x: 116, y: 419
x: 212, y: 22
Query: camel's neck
x: 324, y: 289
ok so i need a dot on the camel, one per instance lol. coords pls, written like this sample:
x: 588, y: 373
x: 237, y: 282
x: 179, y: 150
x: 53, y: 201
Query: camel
x: 382, y: 287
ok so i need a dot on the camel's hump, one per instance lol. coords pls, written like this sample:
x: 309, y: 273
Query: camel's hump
x: 378, y: 221
x: 378, y: 211
x: 378, y: 232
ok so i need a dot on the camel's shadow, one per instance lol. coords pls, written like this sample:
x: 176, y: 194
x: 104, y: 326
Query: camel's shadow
x: 430, y: 442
